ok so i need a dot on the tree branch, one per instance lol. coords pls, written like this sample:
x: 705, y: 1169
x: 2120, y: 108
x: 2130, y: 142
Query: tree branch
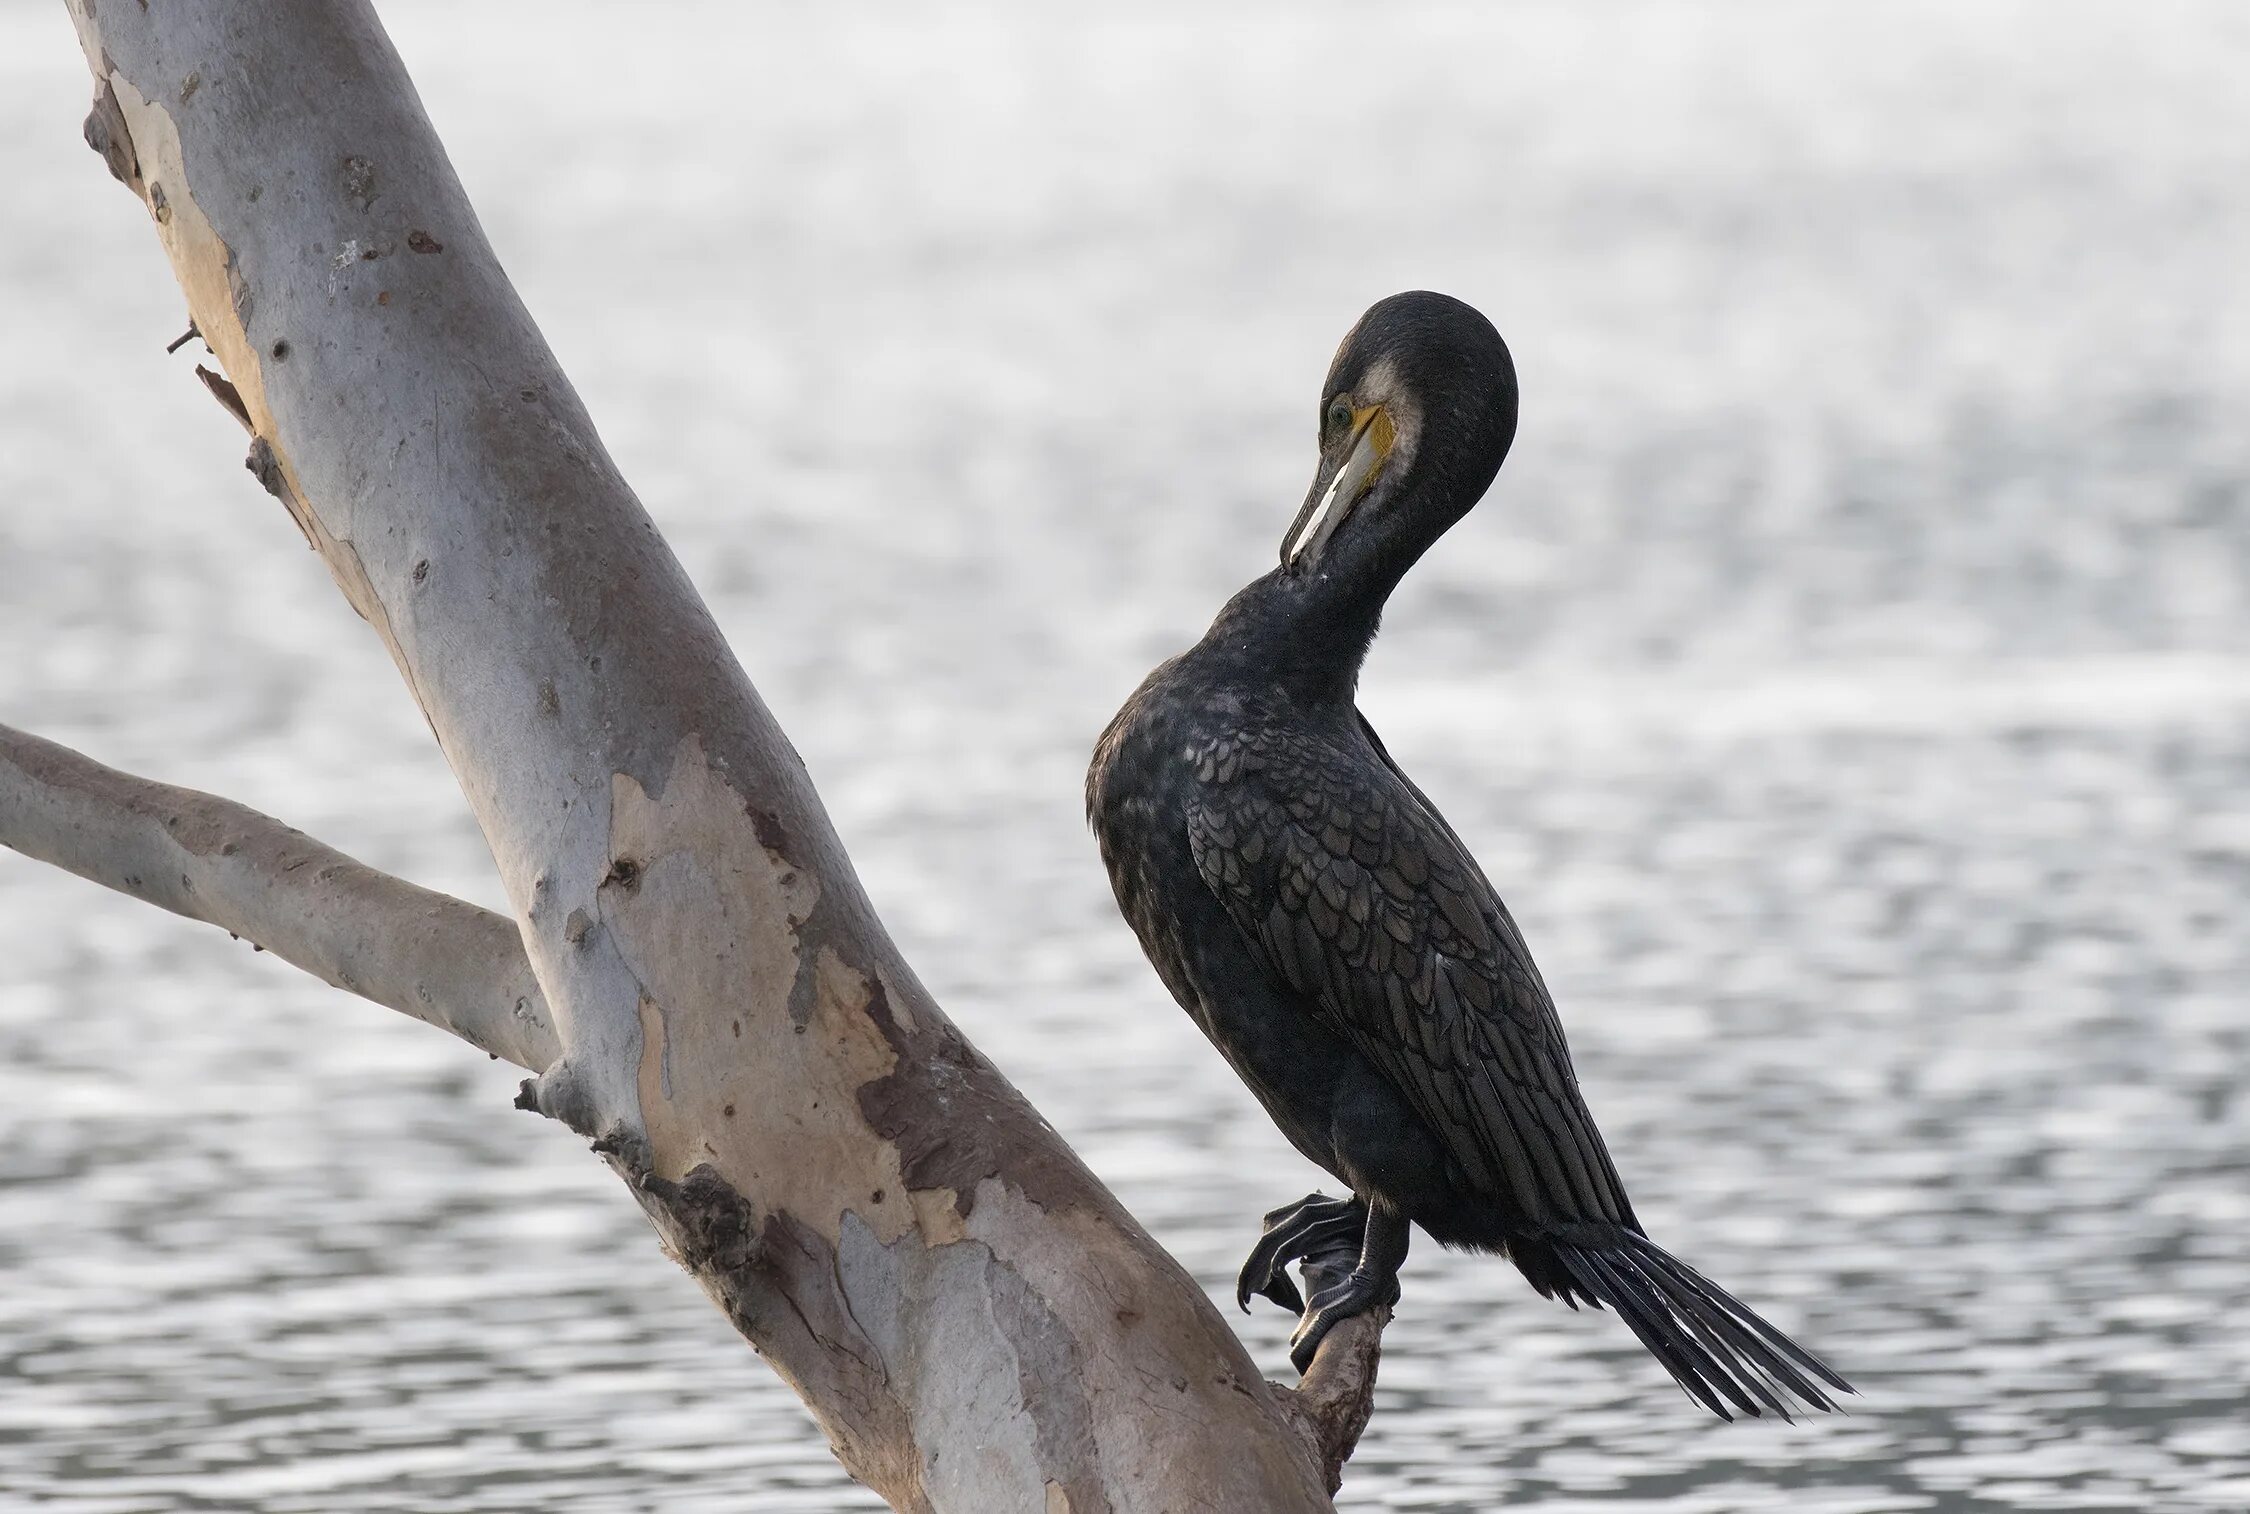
x: 972, y: 1317
x: 439, y: 959
x: 1330, y: 1408
x: 429, y: 955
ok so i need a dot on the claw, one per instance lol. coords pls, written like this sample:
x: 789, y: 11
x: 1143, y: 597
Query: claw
x: 1313, y: 1226
x: 1276, y: 1287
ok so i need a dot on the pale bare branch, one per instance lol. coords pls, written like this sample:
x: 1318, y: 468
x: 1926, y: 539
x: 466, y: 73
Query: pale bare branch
x: 973, y: 1318
x: 443, y: 961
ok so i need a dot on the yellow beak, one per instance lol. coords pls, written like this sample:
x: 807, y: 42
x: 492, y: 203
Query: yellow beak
x: 1369, y: 447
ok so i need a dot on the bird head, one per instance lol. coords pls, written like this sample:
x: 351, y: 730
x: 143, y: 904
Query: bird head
x: 1415, y: 418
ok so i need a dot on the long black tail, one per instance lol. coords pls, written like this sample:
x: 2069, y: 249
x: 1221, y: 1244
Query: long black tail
x: 1716, y: 1346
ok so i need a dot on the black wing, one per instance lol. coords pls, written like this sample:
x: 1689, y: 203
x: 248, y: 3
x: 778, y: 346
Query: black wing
x: 1358, y: 896
x: 1361, y: 899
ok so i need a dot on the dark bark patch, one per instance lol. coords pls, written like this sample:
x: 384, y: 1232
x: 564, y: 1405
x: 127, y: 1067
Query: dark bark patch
x: 879, y: 1010
x: 955, y: 1121
x: 421, y: 241
x: 776, y: 1278
x: 106, y: 132
x: 264, y: 465
x: 772, y: 835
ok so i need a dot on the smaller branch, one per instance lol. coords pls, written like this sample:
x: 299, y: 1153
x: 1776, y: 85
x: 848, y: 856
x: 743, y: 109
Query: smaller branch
x: 439, y: 959
x: 1331, y: 1406
x: 183, y: 339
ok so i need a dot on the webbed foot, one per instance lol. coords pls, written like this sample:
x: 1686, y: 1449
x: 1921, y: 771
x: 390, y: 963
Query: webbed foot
x: 1371, y: 1284
x: 1316, y: 1228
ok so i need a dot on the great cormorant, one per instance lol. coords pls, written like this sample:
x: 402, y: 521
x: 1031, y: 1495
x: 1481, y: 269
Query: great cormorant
x: 1311, y: 909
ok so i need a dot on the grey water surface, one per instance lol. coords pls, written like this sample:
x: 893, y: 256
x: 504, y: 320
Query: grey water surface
x: 1848, y: 684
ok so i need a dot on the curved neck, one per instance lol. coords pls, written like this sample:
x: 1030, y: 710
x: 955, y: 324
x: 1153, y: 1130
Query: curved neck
x: 1307, y: 629
x: 1308, y: 633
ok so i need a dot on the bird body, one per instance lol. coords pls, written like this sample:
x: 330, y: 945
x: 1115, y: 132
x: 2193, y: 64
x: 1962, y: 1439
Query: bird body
x: 1159, y: 792
x: 1311, y: 910
x: 1337, y: 944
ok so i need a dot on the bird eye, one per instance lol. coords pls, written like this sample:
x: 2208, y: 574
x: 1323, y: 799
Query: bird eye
x: 1339, y: 413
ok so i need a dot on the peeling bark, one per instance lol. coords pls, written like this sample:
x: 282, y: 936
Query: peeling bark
x: 971, y: 1316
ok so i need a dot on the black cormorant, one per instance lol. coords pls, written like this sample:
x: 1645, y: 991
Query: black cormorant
x: 1311, y: 909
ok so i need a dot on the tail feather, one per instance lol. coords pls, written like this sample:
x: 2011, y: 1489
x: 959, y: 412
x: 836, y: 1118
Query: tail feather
x: 1773, y: 1352
x: 1716, y: 1347
x: 1725, y: 1338
x: 1702, y: 1375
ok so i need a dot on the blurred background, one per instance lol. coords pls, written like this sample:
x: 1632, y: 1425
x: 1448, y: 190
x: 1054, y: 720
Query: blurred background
x: 1847, y: 683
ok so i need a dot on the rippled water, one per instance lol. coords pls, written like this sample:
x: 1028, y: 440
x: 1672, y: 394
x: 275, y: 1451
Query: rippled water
x: 1848, y: 683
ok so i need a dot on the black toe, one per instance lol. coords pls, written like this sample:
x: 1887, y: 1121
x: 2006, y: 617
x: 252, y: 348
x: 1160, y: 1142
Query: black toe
x: 1316, y: 1227
x: 1276, y: 1287
x: 1341, y: 1288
